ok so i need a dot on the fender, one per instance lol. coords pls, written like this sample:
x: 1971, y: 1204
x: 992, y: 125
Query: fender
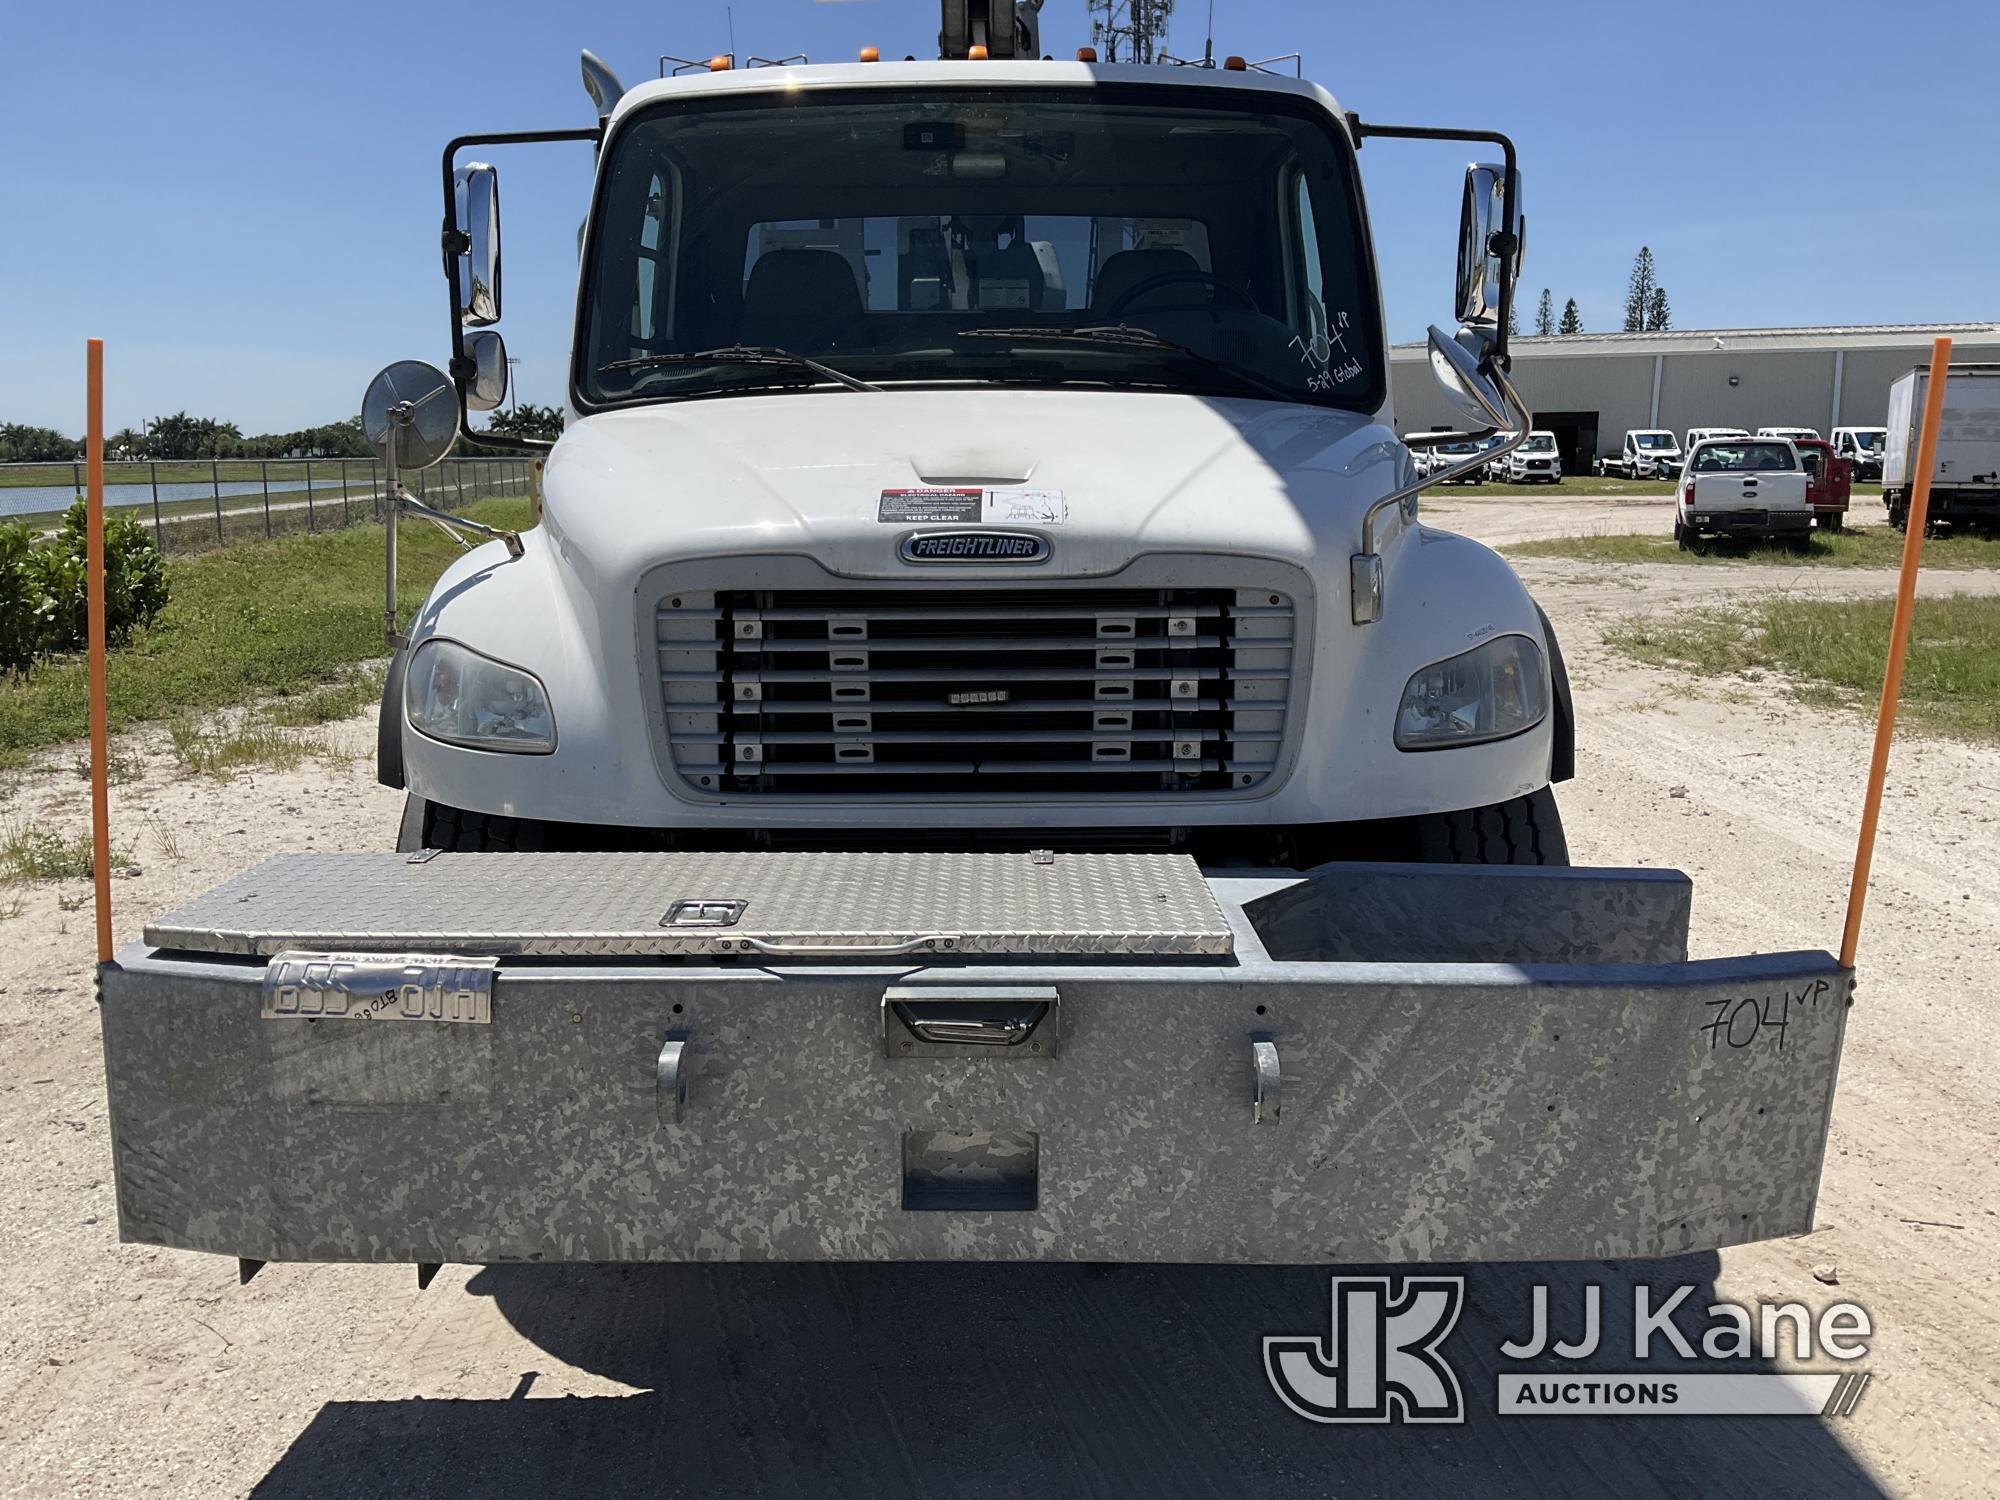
x: 1562, y: 749
x: 389, y: 727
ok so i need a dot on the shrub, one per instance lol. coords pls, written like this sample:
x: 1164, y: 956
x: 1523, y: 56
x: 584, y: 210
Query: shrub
x: 44, y: 589
x: 20, y: 627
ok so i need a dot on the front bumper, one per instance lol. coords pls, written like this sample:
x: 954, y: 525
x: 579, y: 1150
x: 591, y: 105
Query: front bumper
x: 1394, y: 1063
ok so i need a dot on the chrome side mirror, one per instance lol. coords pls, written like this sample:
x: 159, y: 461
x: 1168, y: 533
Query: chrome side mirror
x: 1473, y: 395
x: 487, y: 352
x: 476, y: 194
x: 1487, y: 224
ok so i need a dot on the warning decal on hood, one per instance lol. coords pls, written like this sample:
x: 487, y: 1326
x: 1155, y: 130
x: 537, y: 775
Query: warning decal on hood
x: 959, y: 503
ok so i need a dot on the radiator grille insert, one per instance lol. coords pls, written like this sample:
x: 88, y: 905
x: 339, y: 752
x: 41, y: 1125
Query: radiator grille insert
x: 886, y: 692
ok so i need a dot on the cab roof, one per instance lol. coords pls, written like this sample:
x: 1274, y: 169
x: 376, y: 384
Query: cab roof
x: 1009, y: 73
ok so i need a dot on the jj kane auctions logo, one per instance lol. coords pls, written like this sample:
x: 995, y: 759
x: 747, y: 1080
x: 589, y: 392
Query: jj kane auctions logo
x: 1382, y: 1359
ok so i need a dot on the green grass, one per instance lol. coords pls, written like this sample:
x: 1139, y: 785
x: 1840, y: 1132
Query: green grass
x: 327, y: 704
x: 1863, y: 547
x: 285, y: 616
x: 1832, y: 653
x: 223, y: 752
x: 36, y: 853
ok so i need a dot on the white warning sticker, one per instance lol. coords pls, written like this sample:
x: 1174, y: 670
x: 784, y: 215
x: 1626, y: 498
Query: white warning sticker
x: 1000, y: 505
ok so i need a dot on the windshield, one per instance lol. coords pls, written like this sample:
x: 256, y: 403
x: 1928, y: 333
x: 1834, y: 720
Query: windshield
x: 1721, y: 458
x: 976, y: 235
x: 1868, y: 442
x: 1654, y: 439
x: 1540, y: 442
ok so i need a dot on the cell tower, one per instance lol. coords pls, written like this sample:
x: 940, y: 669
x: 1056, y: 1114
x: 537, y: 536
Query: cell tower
x: 1129, y: 30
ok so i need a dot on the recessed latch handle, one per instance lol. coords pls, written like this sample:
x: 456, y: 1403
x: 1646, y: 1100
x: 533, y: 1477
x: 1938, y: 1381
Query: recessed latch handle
x: 671, y: 1075
x: 1265, y: 1079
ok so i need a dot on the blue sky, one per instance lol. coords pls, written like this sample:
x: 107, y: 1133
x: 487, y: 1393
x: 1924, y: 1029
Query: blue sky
x: 242, y: 199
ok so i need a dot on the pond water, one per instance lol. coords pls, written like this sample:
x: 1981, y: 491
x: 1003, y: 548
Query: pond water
x: 39, y: 499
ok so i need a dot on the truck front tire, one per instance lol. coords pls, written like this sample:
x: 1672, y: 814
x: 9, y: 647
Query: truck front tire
x: 430, y: 825
x: 1523, y: 831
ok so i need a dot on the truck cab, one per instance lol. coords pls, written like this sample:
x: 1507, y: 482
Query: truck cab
x: 1697, y: 434
x: 994, y: 448
x: 1863, y: 447
x: 1789, y: 432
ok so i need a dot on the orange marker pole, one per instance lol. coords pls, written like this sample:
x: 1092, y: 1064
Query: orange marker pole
x: 1899, y: 640
x: 100, y: 733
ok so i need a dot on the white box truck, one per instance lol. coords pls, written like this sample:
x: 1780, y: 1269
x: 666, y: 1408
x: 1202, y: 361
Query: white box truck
x: 1965, y: 480
x: 965, y: 767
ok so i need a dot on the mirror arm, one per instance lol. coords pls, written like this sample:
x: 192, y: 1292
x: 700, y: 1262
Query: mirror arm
x: 1502, y: 244
x: 454, y: 524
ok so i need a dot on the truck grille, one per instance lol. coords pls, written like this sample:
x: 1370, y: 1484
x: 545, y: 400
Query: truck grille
x: 894, y: 692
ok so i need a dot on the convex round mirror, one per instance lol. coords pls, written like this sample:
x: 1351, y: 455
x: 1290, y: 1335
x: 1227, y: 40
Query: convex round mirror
x: 410, y: 389
x: 1476, y: 399
x: 1482, y: 214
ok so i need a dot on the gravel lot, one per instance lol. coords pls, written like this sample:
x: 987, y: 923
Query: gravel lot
x: 126, y: 1370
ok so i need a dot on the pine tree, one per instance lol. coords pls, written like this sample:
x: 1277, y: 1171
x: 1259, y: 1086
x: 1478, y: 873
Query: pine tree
x: 1513, y: 317
x: 1572, y: 321
x: 1639, y: 291
x: 1545, y: 314
x: 1659, y: 316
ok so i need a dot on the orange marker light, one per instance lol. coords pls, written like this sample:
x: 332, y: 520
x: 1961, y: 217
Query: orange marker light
x: 1234, y: 64
x: 1086, y: 54
x: 720, y: 63
x: 976, y: 52
x: 869, y: 54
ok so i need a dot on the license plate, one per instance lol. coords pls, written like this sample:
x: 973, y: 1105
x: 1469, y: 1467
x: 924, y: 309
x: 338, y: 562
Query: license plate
x: 314, y: 986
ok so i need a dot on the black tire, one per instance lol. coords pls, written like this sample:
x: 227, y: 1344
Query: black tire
x: 430, y: 825
x: 1828, y: 522
x: 1523, y: 831
x: 1681, y: 537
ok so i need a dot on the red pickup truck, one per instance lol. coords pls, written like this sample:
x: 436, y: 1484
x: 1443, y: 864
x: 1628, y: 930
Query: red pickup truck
x: 1829, y: 480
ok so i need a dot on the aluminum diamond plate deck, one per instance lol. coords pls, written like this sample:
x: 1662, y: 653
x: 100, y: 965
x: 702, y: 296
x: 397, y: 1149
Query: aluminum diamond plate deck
x: 601, y: 905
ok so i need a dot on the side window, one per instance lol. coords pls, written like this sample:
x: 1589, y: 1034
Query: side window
x: 1312, y: 276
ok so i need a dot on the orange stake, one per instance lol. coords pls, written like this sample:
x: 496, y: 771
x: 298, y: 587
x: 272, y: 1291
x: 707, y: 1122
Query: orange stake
x: 100, y: 733
x: 1899, y: 639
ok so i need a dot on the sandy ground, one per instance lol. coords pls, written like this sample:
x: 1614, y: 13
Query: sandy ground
x: 131, y: 1371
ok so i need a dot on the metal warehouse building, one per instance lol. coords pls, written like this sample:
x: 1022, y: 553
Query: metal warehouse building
x: 1589, y: 388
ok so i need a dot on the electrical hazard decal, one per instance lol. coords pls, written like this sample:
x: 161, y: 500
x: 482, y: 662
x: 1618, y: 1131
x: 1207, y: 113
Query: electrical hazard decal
x: 999, y: 505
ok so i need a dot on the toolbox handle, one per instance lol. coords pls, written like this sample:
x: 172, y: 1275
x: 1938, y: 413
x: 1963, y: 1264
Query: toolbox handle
x: 847, y: 950
x: 965, y: 1020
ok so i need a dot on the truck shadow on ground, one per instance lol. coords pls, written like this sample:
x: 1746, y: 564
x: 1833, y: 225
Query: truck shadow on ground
x: 962, y: 1380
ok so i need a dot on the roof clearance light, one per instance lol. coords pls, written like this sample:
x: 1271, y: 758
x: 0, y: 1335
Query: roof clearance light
x: 1086, y: 54
x: 720, y: 63
x: 1234, y: 64
x: 976, y: 52
x: 869, y: 54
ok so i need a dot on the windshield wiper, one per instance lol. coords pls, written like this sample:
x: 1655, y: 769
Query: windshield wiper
x: 742, y: 354
x: 1123, y: 334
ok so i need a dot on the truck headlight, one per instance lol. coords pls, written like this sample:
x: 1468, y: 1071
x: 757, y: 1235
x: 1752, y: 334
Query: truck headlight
x: 1488, y: 693
x: 456, y: 695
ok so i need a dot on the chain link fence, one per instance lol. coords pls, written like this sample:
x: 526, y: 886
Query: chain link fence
x: 197, y: 505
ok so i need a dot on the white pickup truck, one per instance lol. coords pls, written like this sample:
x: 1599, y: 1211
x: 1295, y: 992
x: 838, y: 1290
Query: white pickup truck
x: 967, y: 763
x: 1743, y: 487
x: 1645, y: 454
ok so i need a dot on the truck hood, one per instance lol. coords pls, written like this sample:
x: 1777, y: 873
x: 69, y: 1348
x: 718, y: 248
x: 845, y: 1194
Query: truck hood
x: 1135, y: 472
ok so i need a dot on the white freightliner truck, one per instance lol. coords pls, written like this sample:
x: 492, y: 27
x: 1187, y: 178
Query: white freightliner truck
x: 970, y: 763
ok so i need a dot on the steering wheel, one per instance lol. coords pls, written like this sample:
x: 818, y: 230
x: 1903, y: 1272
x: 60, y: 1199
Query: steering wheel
x: 1168, y: 278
